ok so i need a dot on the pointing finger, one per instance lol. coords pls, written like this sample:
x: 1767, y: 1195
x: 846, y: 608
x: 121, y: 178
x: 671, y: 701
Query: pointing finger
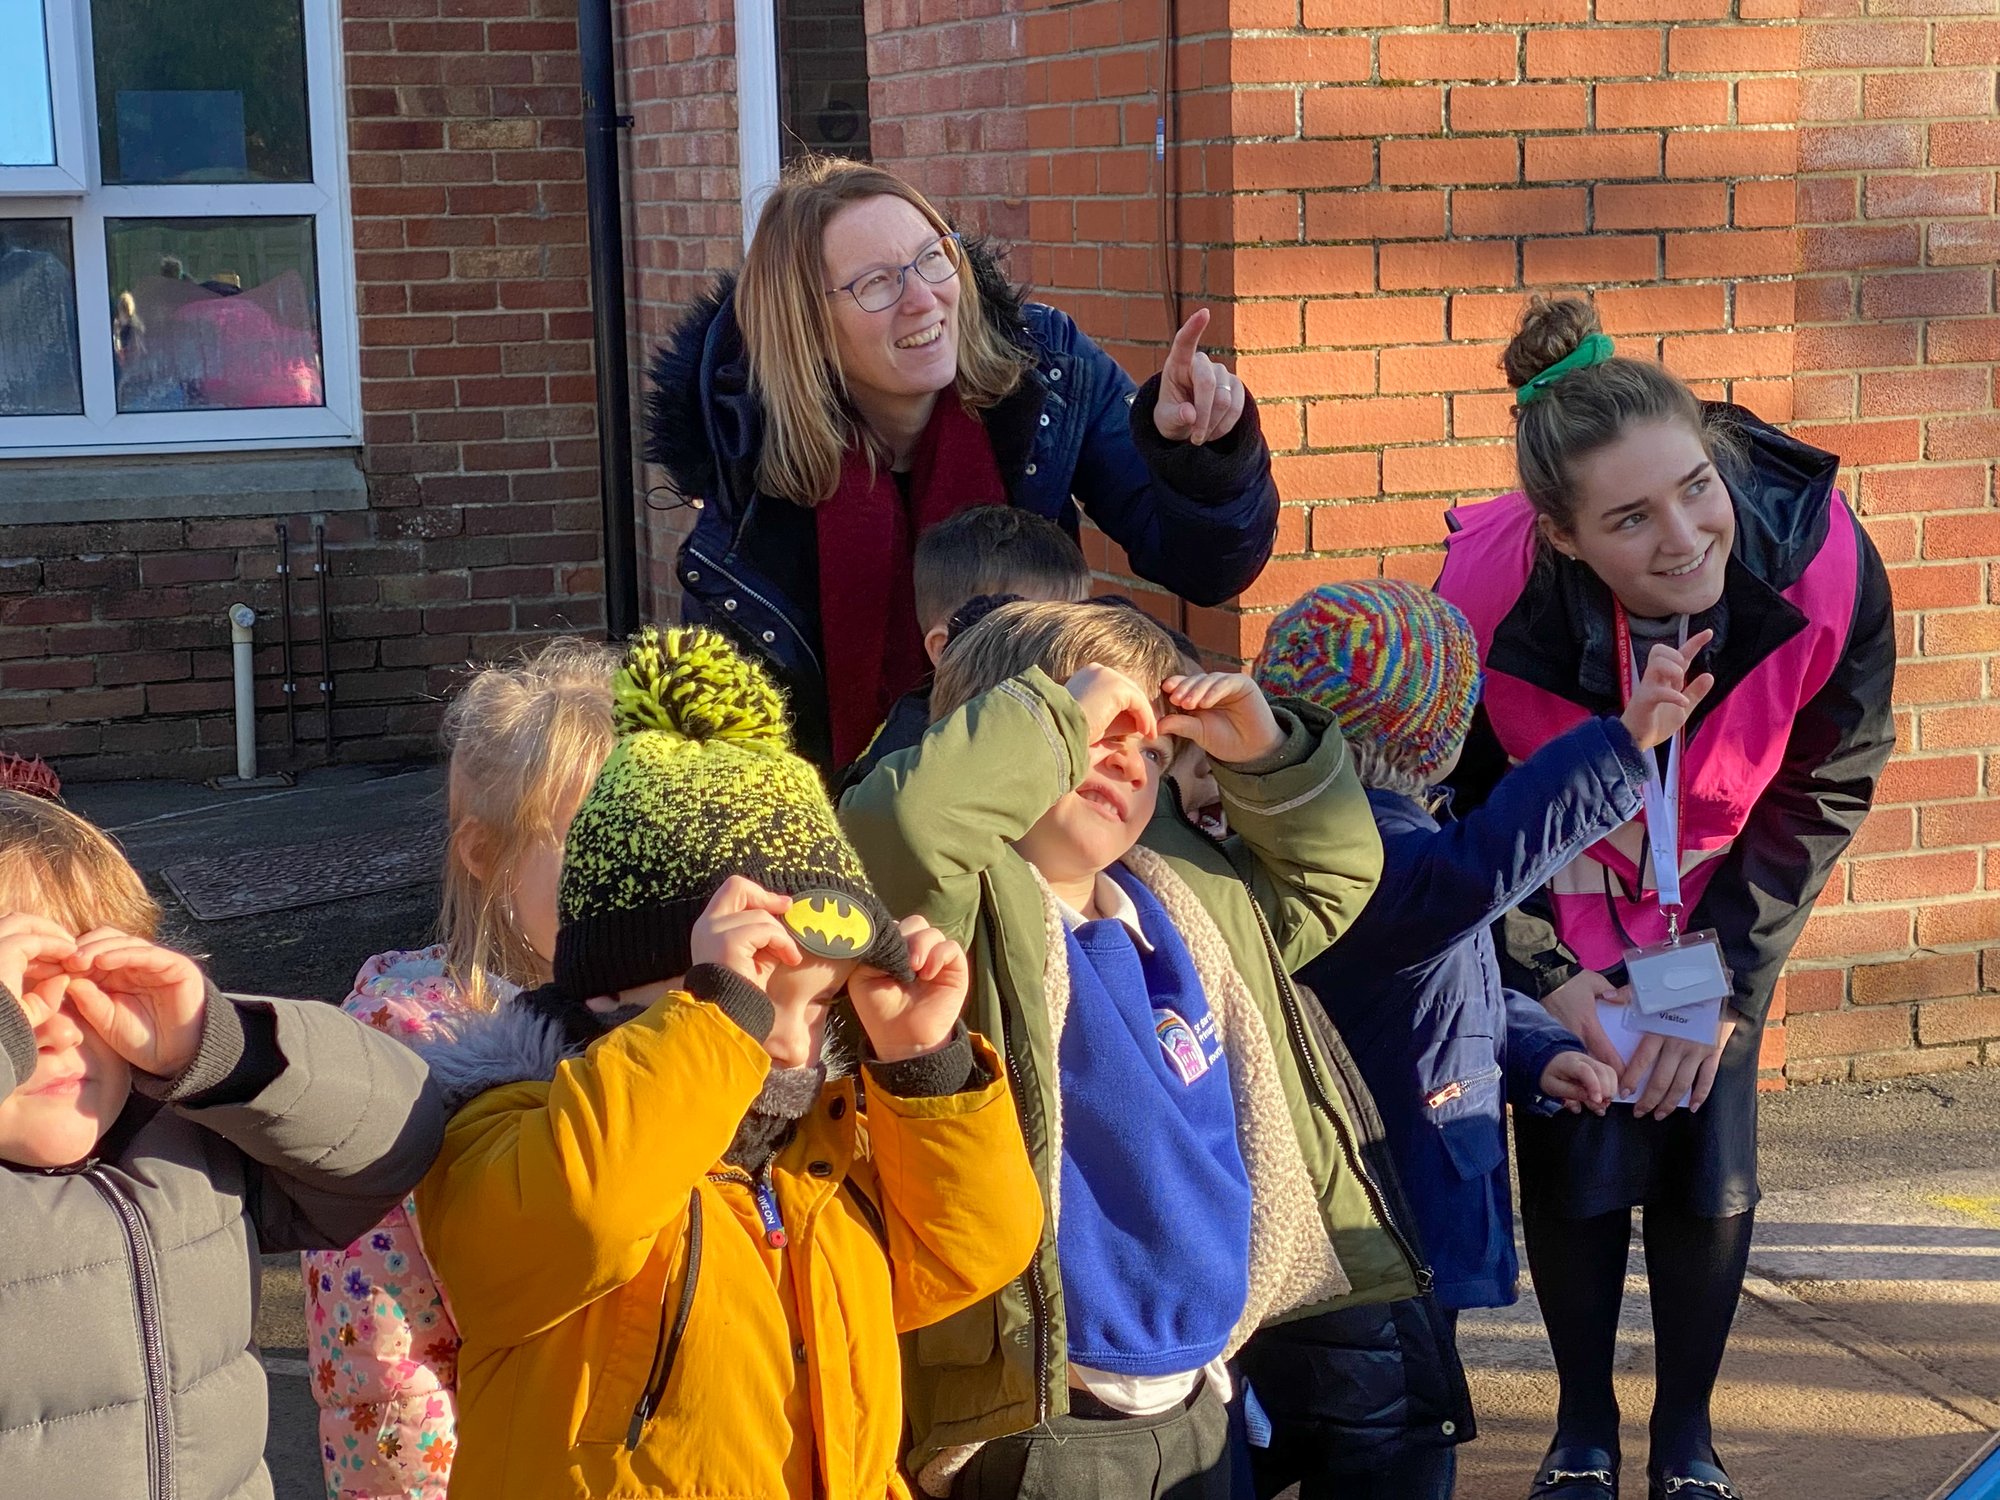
x: 1180, y: 357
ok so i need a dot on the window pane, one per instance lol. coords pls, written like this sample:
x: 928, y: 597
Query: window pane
x: 823, y: 67
x: 201, y: 90
x: 213, y: 314
x: 27, y: 128
x: 38, y: 367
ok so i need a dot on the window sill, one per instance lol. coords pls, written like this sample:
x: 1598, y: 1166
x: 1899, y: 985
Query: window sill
x: 54, y: 491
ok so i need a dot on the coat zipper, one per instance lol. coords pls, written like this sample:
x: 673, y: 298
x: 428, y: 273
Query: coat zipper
x: 1295, y: 1021
x: 146, y: 1284
x: 1038, y: 1295
x: 708, y: 562
x: 669, y: 1345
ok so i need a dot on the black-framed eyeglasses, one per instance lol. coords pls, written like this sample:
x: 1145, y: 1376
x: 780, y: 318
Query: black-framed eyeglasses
x: 882, y: 288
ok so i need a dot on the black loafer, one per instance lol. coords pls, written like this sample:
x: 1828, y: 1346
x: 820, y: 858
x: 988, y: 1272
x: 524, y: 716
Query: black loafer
x: 1692, y: 1481
x: 1577, y: 1473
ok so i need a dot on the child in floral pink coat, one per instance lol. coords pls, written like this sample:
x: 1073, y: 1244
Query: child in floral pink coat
x: 525, y: 743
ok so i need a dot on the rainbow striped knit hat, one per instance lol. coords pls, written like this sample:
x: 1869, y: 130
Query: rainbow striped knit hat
x: 1396, y: 666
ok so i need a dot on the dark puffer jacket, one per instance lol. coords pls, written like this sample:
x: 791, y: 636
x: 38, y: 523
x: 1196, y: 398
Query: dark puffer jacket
x: 1349, y: 1390
x: 1076, y: 432
x: 128, y: 1282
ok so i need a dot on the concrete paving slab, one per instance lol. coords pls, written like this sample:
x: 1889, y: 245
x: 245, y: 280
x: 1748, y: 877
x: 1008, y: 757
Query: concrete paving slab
x: 1798, y: 1416
x: 160, y: 823
x: 1914, y: 1262
x: 291, y: 1446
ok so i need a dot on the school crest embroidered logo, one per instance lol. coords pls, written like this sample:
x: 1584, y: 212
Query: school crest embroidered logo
x: 1178, y: 1041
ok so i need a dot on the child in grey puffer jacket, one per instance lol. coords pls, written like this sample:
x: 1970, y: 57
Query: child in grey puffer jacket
x: 156, y: 1137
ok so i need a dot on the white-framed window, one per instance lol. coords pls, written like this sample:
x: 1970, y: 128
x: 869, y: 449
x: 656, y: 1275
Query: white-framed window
x: 176, y: 263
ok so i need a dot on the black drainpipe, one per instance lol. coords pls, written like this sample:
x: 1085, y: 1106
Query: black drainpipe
x: 601, y: 124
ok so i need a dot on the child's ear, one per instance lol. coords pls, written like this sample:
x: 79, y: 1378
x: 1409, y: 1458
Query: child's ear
x: 935, y: 640
x: 472, y: 846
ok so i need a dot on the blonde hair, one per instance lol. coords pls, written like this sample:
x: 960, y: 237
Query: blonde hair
x: 58, y: 866
x: 1061, y: 639
x: 781, y: 306
x: 526, y: 739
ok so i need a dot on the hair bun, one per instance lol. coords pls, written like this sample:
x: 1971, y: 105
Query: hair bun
x: 692, y: 682
x: 1552, y: 328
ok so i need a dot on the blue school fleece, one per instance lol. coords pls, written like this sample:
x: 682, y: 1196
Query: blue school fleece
x: 1154, y: 1238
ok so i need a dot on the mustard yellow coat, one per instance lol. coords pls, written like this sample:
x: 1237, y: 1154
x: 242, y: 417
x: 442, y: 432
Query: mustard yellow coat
x: 560, y: 1218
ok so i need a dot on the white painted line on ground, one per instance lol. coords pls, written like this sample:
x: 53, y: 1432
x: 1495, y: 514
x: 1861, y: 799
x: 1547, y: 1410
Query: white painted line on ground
x: 232, y: 803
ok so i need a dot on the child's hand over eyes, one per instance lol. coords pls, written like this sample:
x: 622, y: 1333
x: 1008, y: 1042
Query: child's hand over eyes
x: 1223, y: 712
x: 743, y: 930
x: 146, y: 1001
x: 1580, y: 1081
x: 909, y: 1020
x: 31, y: 949
x: 1112, y: 704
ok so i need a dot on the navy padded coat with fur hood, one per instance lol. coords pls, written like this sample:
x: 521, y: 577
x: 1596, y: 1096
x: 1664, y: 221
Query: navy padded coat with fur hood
x: 1077, y: 432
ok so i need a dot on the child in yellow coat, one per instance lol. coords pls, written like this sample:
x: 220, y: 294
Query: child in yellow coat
x: 679, y: 1227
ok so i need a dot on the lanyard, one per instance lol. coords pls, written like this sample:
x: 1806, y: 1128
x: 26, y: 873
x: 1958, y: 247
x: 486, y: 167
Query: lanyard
x: 1663, y: 801
x: 767, y: 1211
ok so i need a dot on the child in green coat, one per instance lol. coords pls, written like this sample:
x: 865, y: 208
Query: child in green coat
x: 1196, y: 1144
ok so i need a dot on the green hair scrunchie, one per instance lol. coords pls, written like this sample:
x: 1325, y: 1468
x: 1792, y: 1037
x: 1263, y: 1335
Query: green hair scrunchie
x: 1594, y: 350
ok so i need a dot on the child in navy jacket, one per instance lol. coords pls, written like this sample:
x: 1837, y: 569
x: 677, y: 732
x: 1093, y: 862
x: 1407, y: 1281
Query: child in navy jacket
x: 1414, y: 985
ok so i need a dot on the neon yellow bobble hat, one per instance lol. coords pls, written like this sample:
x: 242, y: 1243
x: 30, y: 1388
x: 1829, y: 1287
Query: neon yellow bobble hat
x: 703, y: 785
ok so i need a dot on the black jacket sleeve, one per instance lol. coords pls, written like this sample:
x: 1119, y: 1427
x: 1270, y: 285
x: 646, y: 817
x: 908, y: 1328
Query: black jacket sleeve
x: 1760, y: 899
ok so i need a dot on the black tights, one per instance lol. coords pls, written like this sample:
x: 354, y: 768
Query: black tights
x: 1695, y: 1270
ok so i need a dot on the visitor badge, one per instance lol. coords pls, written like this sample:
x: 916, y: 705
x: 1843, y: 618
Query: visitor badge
x: 1696, y: 1023
x: 1677, y: 975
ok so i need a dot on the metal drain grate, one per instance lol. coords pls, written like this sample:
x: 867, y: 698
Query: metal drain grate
x: 294, y: 875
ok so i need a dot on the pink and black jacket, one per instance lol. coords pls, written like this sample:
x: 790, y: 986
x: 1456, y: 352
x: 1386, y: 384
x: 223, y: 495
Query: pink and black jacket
x: 1781, y: 758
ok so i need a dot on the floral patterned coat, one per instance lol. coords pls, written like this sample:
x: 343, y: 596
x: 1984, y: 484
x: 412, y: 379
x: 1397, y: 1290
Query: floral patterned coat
x: 382, y: 1344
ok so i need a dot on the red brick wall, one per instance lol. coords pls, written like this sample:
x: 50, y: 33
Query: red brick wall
x: 1058, y: 160
x: 1897, y: 340
x: 684, y: 220
x: 114, y: 651
x: 471, y: 259
x: 480, y: 457
x: 948, y: 90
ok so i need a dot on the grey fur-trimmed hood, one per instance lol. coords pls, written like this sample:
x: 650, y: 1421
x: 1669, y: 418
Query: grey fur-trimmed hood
x: 484, y: 1050
x: 469, y: 1054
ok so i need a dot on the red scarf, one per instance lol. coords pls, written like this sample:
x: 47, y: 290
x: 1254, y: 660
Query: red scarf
x: 871, y: 643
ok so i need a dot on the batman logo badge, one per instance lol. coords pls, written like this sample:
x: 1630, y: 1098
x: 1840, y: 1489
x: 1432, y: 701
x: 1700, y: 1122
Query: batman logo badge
x: 830, y: 924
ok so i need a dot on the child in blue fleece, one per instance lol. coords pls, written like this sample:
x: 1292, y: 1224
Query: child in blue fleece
x: 1414, y: 989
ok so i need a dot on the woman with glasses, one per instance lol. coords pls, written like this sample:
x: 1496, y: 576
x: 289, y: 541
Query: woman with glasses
x: 871, y: 373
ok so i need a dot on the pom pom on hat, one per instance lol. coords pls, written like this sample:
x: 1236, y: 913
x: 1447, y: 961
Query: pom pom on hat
x: 693, y: 683
x: 1396, y: 666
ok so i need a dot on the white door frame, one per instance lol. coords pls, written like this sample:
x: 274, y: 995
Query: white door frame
x: 757, y: 152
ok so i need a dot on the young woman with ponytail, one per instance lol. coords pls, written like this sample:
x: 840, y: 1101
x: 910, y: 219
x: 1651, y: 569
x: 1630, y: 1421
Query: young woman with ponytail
x: 1645, y: 516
